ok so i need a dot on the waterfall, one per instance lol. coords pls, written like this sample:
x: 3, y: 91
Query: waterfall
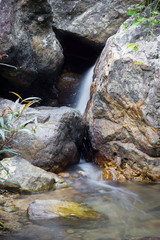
x: 84, y: 93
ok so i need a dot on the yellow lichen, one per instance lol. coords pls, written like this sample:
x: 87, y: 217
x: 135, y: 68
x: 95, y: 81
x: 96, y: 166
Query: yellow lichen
x: 71, y: 209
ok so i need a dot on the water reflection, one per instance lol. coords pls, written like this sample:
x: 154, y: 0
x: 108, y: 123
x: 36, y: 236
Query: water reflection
x: 130, y: 210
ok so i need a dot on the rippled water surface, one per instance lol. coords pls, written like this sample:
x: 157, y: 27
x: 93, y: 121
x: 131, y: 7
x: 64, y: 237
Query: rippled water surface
x: 130, y: 210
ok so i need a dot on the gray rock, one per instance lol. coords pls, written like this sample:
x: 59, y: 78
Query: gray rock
x: 93, y: 21
x: 19, y: 174
x: 57, y: 141
x: 27, y: 37
x: 123, y: 112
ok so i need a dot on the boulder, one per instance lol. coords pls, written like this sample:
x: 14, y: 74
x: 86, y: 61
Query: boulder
x: 48, y: 209
x: 58, y: 138
x: 92, y: 21
x: 124, y: 110
x: 26, y: 36
x: 19, y: 174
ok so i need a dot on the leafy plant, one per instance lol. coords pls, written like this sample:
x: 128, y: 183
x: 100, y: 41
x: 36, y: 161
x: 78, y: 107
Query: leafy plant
x: 14, y: 121
x: 135, y: 47
x: 150, y: 19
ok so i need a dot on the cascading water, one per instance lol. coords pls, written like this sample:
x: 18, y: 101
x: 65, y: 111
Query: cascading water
x: 84, y: 92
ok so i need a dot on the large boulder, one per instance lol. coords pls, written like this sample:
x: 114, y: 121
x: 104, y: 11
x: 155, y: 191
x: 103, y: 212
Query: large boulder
x: 124, y: 110
x: 92, y: 21
x: 22, y: 176
x: 26, y: 36
x: 57, y: 141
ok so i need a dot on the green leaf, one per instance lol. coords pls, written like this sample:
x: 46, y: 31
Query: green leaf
x: 2, y: 133
x: 132, y: 12
x: 139, y: 63
x: 135, y: 23
x: 36, y: 121
x: 142, y: 19
x: 156, y: 12
x: 131, y: 45
x: 25, y: 130
x: 154, y: 22
x: 140, y: 6
x: 8, y: 150
x: 125, y: 25
x: 6, y: 169
x: 31, y: 98
x: 2, y: 122
x: 3, y: 225
x: 9, y: 118
x: 24, y: 124
x: 15, y: 105
x: 7, y: 180
x: 135, y: 48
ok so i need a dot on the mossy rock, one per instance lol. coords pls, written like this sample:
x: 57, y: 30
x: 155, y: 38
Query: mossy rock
x: 48, y: 209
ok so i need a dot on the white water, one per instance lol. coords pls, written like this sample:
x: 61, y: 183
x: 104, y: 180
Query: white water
x: 93, y: 173
x: 84, y: 93
x: 94, y: 176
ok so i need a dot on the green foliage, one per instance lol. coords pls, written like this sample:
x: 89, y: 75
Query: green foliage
x: 150, y: 20
x: 135, y: 47
x: 153, y: 12
x: 2, y: 226
x: 14, y: 121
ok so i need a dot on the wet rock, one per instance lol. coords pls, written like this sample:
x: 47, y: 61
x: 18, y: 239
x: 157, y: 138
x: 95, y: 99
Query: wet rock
x: 58, y: 139
x: 27, y: 37
x: 27, y: 177
x: 67, y: 86
x: 123, y: 112
x: 48, y: 209
x: 89, y: 20
x: 64, y: 174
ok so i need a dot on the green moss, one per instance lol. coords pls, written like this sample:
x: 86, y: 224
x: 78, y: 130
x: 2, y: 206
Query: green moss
x: 71, y: 209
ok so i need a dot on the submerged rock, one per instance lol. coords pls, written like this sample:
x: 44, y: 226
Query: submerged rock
x: 19, y: 174
x: 123, y: 112
x: 48, y: 209
x: 58, y: 139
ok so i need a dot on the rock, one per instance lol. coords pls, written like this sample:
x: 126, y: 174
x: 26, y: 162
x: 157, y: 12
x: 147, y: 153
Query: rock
x: 58, y: 139
x: 123, y: 112
x: 146, y: 238
x: 67, y: 85
x: 64, y: 174
x: 27, y: 177
x: 89, y: 20
x: 27, y: 37
x: 11, y: 222
x: 48, y: 209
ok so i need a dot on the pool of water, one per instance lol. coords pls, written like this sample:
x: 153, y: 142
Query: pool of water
x: 130, y: 210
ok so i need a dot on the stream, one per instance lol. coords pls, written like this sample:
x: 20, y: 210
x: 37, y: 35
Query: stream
x: 130, y: 210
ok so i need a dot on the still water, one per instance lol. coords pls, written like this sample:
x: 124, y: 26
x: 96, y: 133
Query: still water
x: 130, y: 210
